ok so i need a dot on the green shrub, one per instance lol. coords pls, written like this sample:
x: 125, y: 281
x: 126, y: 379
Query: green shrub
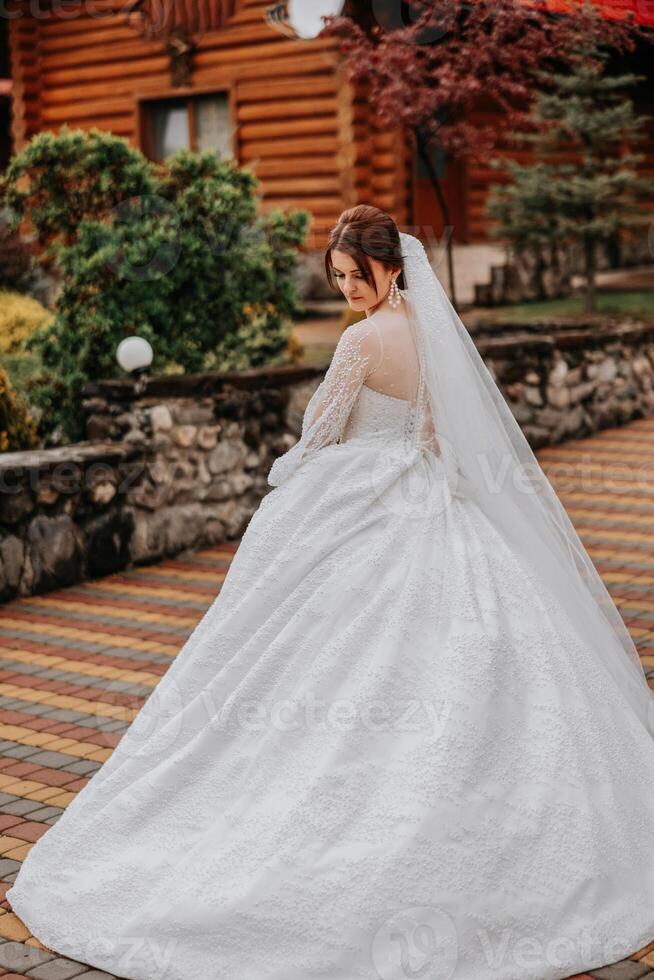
x: 17, y: 427
x: 176, y: 253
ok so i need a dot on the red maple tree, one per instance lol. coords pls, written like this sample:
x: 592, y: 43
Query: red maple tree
x: 427, y: 64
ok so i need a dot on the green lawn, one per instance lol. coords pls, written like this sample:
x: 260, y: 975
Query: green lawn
x: 634, y: 302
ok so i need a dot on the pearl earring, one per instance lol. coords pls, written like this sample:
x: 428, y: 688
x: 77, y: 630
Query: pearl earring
x: 394, y: 297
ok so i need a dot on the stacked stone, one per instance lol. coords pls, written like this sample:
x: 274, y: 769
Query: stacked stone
x: 576, y: 394
x: 205, y: 458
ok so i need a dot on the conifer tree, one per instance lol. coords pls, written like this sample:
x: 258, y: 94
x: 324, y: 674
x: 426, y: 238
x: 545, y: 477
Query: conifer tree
x: 583, y: 187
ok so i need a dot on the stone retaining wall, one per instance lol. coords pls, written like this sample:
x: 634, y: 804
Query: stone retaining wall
x: 183, y: 463
x: 64, y: 516
x: 568, y: 380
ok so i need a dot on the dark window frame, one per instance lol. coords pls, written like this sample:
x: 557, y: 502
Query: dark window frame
x: 189, y: 93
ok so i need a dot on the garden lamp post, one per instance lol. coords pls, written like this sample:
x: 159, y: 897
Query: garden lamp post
x: 134, y: 354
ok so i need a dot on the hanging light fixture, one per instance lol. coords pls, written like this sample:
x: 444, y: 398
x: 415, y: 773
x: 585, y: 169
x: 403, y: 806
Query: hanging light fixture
x: 302, y: 18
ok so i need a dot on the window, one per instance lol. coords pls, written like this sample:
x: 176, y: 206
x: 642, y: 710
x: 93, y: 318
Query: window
x: 195, y: 122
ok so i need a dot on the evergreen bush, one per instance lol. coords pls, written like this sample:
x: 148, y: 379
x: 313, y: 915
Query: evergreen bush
x: 176, y: 253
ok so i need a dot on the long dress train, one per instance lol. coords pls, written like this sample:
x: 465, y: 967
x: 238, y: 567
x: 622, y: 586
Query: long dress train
x: 384, y: 752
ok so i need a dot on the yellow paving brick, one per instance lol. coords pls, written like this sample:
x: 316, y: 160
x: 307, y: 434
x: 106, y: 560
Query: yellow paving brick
x: 61, y: 744
x: 84, y: 750
x: 99, y: 755
x: 138, y: 677
x: 36, y: 738
x: 649, y: 948
x: 6, y: 781
x: 21, y: 787
x: 88, y: 750
x: 62, y: 799
x: 19, y: 853
x: 8, y: 843
x: 10, y: 732
x: 26, y: 736
x: 43, y: 795
x: 183, y: 576
x: 143, y: 591
x: 11, y: 927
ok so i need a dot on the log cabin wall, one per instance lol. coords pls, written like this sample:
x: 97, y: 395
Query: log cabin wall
x: 25, y: 63
x: 304, y: 130
x: 296, y: 120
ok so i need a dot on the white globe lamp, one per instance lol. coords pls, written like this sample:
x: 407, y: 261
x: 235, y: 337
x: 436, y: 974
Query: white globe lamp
x: 134, y: 354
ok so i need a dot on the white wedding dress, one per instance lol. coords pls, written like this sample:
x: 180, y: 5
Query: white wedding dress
x: 384, y: 752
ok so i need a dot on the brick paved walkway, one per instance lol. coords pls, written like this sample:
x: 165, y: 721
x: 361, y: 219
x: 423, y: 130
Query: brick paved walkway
x: 76, y: 665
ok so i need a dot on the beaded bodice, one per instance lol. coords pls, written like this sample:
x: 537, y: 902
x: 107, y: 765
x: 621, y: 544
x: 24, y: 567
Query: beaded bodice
x: 375, y: 412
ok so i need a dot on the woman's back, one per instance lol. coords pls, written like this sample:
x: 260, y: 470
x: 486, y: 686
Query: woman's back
x: 393, y: 370
x: 395, y: 366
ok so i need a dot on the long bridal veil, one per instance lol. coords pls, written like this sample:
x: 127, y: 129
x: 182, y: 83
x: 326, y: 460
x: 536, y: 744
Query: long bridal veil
x: 486, y: 455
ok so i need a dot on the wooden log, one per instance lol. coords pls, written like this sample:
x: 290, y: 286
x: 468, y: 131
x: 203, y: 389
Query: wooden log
x: 284, y: 109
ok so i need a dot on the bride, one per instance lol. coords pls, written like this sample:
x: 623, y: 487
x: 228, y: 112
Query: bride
x: 411, y: 737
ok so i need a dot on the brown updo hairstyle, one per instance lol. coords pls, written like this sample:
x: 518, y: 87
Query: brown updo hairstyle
x: 365, y: 231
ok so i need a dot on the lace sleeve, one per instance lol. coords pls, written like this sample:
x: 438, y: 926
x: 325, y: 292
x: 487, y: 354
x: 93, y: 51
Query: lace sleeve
x: 357, y: 354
